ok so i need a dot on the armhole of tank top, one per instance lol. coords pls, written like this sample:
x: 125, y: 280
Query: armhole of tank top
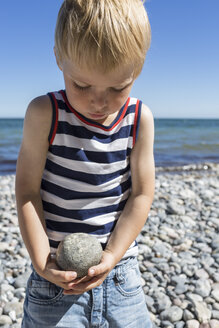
x: 54, y: 124
x: 137, y: 121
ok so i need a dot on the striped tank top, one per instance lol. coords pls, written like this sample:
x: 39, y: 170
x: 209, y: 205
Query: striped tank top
x: 86, y: 181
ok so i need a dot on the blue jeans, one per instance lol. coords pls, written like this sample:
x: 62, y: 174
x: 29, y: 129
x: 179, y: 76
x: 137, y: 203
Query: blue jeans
x: 118, y: 303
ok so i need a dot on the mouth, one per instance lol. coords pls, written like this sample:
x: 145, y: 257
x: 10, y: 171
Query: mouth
x: 96, y: 116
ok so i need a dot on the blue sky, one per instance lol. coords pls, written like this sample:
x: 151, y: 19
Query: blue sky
x: 180, y: 77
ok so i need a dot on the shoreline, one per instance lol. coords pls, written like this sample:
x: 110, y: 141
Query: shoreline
x: 185, y: 168
x: 178, y: 250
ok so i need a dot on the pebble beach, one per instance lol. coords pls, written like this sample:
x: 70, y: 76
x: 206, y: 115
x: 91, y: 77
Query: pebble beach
x: 178, y: 250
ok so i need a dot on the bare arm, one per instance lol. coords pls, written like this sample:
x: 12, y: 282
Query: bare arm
x: 136, y: 209
x: 28, y: 177
x: 30, y: 166
x: 138, y: 205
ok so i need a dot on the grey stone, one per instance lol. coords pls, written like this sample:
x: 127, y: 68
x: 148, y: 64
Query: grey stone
x: 187, y: 315
x: 180, y: 324
x: 162, y: 301
x: 215, y: 294
x: 203, y: 287
x: 78, y: 252
x: 21, y: 280
x: 202, y: 312
x: 215, y: 243
x: 5, y: 288
x: 180, y: 289
x: 173, y: 314
x: 201, y: 273
x: 194, y: 297
x: 174, y: 208
x: 214, y: 323
x: 215, y: 314
x: 3, y: 247
x: 192, y: 324
x: 167, y: 324
x: 14, y: 306
x: 5, y: 320
x: 204, y: 325
x: 215, y: 306
x: 1, y: 276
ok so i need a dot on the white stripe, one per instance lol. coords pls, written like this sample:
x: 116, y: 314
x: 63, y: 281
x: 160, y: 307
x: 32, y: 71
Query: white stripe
x: 91, y: 144
x: 58, y: 96
x: 81, y: 186
x: 83, y: 204
x: 89, y: 167
x: 132, y: 250
x: 58, y: 236
x: 75, y: 121
x: 95, y: 221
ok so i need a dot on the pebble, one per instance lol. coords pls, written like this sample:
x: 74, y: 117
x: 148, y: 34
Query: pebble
x: 178, y: 250
x: 173, y: 314
x: 214, y: 323
x: 202, y: 312
x: 192, y: 324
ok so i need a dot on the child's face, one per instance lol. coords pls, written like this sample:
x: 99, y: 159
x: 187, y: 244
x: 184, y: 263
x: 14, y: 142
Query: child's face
x: 97, y: 96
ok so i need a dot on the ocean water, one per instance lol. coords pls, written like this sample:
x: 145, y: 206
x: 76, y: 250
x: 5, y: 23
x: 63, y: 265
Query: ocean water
x: 177, y: 142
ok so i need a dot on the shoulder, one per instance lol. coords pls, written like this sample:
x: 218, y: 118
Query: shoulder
x: 146, y: 115
x: 35, y: 142
x: 40, y: 107
x: 39, y: 114
x: 146, y: 128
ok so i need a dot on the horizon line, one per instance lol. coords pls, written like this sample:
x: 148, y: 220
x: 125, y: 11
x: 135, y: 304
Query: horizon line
x: 156, y: 117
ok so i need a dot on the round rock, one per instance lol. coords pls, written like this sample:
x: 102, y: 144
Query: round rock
x: 78, y: 252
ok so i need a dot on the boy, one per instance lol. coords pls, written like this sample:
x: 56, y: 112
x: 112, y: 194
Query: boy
x: 86, y: 165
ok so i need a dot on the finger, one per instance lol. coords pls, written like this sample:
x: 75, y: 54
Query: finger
x: 98, y: 269
x: 63, y: 276
x: 86, y: 286
x: 72, y: 292
x: 78, y: 281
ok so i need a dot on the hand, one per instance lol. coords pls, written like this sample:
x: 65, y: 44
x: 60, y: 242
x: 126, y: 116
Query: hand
x: 58, y: 277
x: 95, y: 277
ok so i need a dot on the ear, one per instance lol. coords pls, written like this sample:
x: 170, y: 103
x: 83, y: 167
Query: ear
x: 57, y: 58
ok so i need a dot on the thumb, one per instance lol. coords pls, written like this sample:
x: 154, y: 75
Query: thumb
x: 98, y: 269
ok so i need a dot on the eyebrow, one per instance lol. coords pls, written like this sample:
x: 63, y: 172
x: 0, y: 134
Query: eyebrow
x: 119, y: 85
x: 125, y: 86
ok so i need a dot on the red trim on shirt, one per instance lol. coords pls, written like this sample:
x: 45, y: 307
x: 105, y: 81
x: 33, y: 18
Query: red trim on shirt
x: 135, y: 122
x: 93, y: 124
x: 56, y: 118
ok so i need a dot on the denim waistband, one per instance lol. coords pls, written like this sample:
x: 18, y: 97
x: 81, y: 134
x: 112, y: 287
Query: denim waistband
x: 121, y: 267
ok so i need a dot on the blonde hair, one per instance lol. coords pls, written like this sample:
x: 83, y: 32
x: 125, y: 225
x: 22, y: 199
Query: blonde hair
x: 103, y: 33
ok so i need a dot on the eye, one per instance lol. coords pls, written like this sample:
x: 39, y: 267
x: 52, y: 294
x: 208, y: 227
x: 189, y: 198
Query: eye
x: 80, y: 87
x: 118, y: 90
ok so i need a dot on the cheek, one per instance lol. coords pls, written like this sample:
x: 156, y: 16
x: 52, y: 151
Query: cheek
x: 119, y: 99
x: 76, y: 100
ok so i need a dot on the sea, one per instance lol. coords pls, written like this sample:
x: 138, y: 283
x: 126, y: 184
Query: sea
x: 178, y: 142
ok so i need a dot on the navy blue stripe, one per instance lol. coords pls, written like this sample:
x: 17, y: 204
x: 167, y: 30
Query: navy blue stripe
x: 77, y: 154
x: 72, y: 194
x: 55, y: 244
x: 93, y: 179
x: 138, y: 120
x: 84, y: 133
x: 80, y: 227
x: 82, y: 214
x: 53, y: 117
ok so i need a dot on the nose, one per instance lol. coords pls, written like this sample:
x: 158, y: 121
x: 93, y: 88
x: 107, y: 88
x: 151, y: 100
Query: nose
x: 99, y: 100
